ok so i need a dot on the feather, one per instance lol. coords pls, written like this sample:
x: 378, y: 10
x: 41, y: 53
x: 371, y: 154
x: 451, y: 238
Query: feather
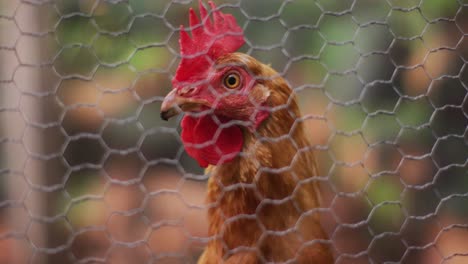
x: 265, y: 200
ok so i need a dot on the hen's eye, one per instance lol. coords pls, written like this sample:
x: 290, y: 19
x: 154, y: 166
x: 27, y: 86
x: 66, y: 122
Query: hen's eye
x: 232, y: 81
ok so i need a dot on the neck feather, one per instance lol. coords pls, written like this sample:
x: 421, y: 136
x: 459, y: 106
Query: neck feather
x: 274, y: 160
x: 278, y: 146
x: 271, y: 183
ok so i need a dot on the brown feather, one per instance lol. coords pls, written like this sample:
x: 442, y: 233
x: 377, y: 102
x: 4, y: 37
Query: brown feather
x: 262, y: 203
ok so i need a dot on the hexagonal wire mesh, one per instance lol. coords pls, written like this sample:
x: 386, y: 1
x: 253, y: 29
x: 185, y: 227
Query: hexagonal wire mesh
x: 90, y: 174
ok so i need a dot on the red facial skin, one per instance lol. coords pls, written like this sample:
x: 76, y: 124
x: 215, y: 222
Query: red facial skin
x: 212, y: 134
x: 211, y: 130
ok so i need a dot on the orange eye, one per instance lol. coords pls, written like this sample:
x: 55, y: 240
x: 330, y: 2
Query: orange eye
x: 232, y: 81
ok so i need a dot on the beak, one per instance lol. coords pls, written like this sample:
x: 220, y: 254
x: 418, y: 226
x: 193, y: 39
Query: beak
x: 174, y: 104
x: 169, y: 107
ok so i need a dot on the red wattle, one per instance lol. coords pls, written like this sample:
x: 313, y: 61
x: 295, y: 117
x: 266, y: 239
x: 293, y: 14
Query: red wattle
x: 198, y: 136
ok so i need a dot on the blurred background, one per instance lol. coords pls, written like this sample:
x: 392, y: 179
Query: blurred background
x: 90, y: 174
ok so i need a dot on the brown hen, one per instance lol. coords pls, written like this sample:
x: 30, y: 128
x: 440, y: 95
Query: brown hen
x: 243, y: 122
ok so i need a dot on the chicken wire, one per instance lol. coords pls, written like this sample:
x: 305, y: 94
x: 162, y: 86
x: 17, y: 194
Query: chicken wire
x: 89, y: 173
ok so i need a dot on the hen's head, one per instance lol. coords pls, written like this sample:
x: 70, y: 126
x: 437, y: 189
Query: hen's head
x: 220, y: 90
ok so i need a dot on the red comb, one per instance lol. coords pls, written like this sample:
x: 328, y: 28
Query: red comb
x: 210, y: 40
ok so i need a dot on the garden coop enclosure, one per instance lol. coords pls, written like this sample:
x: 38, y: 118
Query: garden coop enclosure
x: 90, y: 174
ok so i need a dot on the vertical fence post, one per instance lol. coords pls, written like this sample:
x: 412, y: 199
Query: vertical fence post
x: 18, y: 140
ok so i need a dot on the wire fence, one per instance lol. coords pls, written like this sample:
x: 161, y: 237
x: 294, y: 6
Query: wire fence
x: 90, y: 174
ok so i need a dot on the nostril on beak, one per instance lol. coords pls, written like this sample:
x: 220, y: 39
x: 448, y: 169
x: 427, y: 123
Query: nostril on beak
x: 187, y: 91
